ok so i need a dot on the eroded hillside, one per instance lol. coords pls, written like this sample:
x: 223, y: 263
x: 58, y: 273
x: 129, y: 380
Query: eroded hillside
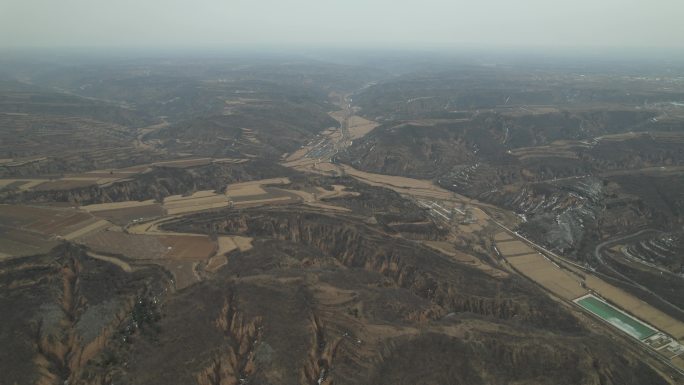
x: 291, y: 221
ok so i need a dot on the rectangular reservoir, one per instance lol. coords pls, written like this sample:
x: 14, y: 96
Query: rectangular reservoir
x: 617, y: 318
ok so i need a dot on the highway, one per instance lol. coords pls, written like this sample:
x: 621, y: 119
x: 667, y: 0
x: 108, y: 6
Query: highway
x: 597, y: 255
x: 642, y: 347
x: 599, y: 259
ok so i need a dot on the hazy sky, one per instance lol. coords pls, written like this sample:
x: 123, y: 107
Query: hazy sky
x: 390, y: 23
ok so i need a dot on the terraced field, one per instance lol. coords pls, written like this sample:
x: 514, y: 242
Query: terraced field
x: 28, y: 230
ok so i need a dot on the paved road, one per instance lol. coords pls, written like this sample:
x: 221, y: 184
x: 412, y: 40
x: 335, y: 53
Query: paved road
x: 599, y: 258
x: 597, y: 251
x: 597, y: 255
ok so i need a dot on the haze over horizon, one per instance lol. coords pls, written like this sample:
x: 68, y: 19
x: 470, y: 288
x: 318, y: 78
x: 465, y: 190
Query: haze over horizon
x: 620, y: 24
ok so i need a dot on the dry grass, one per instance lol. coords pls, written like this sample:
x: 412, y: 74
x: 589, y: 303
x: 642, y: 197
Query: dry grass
x: 64, y: 184
x: 199, y: 201
x: 149, y: 227
x: 43, y: 220
x: 324, y: 206
x: 226, y: 244
x: 511, y: 248
x: 299, y: 154
x: 359, y: 127
x: 97, y: 177
x: 481, y: 220
x: 254, y: 187
x: 621, y: 136
x: 26, y: 230
x: 677, y: 137
x: 30, y: 184
x: 20, y: 243
x: 527, y: 110
x: 328, y: 295
x: 678, y: 362
x: 244, y: 190
x: 186, y: 247
x: 448, y: 249
x: 314, y: 196
x: 248, y: 134
x: 243, y: 243
x: 205, y: 204
x: 502, y: 236
x: 415, y: 187
x: 184, y: 272
x: 560, y: 282
x: 306, y: 196
x: 254, y: 193
x: 338, y: 115
x: 136, y: 246
x: 183, y: 198
x: 21, y: 184
x: 216, y: 262
x: 124, y: 216
x: 544, y: 152
x: 151, y: 246
x: 178, y: 253
x: 470, y: 228
x: 257, y: 202
x: 105, y: 174
x: 302, y: 164
x: 230, y: 160
x: 93, y: 227
x: 566, y: 285
x: 117, y: 205
x: 182, y: 163
x: 6, y: 182
x: 339, y: 191
x: 125, y: 266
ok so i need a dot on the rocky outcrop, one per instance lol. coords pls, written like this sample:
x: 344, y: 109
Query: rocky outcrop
x: 234, y: 363
x: 317, y: 369
x: 72, y: 318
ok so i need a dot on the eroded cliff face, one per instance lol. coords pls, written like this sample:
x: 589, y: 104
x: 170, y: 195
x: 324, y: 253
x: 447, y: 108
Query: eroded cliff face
x: 157, y: 184
x: 354, y: 306
x: 452, y: 287
x: 234, y: 362
x: 71, y: 319
x: 317, y: 369
x: 329, y: 324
